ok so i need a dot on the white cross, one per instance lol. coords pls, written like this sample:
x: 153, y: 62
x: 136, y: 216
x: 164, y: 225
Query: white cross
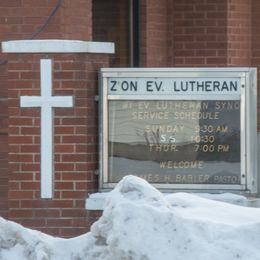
x: 46, y: 102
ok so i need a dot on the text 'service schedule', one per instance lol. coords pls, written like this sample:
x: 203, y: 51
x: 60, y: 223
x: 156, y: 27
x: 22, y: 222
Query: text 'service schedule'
x: 175, y: 142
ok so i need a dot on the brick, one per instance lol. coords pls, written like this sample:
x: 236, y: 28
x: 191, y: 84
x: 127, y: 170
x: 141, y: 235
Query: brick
x: 14, y: 204
x: 21, y: 84
x: 60, y: 204
x: 20, y: 176
x: 74, y: 157
x: 63, y: 75
x: 72, y: 66
x: 19, y: 66
x: 20, y: 214
x: 79, y: 204
x: 13, y: 186
x: 30, y: 167
x: 215, y: 61
x: 23, y: 158
x: 47, y: 213
x: 64, y: 130
x: 64, y: 149
x: 31, y: 204
x: 30, y: 186
x: 14, y: 149
x: 29, y: 75
x: 20, y: 139
x: 73, y: 213
x: 14, y: 75
x: 74, y: 139
x: 64, y: 166
x: 59, y: 222
x: 64, y: 185
x: 61, y: 112
x: 11, y: 3
x: 20, y: 121
x: 74, y: 121
x: 84, y: 186
x: 30, y: 130
x: 33, y: 223
x: 21, y: 195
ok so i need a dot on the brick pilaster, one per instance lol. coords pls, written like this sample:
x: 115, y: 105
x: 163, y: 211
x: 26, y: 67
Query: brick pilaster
x: 75, y: 145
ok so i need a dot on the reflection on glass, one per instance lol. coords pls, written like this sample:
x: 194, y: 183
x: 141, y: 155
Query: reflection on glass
x: 176, y: 142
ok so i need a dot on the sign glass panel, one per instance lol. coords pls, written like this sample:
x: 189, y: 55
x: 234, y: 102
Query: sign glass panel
x: 175, y: 141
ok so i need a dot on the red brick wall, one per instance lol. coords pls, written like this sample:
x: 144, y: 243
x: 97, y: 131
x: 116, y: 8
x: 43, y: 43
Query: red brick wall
x: 184, y: 33
x: 20, y: 19
x: 195, y: 33
x: 75, y: 146
x: 156, y: 38
x: 200, y: 33
x: 3, y: 143
x: 239, y: 32
x: 3, y: 117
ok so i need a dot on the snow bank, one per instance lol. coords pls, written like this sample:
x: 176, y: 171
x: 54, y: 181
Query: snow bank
x: 19, y: 243
x: 140, y: 223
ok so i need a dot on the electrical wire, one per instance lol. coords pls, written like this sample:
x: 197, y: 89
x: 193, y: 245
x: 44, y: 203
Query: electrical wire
x: 3, y: 62
x: 54, y: 10
x: 41, y: 28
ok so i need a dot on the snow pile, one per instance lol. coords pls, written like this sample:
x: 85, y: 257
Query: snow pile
x: 140, y: 223
x: 19, y: 243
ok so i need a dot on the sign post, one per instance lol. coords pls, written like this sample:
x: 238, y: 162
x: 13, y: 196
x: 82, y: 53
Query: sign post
x: 179, y: 128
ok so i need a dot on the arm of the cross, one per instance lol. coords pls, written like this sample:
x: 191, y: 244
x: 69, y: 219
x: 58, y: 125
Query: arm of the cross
x: 53, y: 101
x: 30, y: 101
x: 61, y: 101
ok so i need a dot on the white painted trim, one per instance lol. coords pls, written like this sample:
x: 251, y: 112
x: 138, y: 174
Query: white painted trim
x: 57, y: 46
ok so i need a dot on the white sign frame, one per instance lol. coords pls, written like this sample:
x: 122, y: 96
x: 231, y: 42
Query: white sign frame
x: 246, y: 94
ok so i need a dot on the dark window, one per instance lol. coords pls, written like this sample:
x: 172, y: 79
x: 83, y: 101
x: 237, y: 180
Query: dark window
x: 117, y: 21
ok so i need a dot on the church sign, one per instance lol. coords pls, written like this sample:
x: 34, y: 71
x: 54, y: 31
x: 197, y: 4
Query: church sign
x: 179, y: 128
